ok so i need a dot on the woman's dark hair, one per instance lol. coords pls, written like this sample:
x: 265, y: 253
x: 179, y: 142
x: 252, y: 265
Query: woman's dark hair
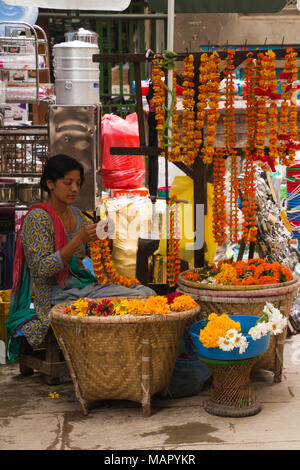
x: 57, y: 167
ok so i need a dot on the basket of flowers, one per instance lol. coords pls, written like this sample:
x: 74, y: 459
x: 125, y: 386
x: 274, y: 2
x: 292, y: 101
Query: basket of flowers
x: 122, y: 348
x: 230, y: 345
x: 244, y: 288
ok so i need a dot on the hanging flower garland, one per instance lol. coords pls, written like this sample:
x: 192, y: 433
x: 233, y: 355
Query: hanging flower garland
x: 229, y: 139
x: 292, y: 65
x: 102, y: 263
x: 163, y: 113
x: 213, y: 114
x: 189, y: 151
x: 202, y: 98
x: 261, y: 112
x: 219, y: 198
x: 174, y: 155
x: 173, y: 259
x: 272, y: 111
x: 159, y: 99
x: 249, y: 207
x: 288, y: 111
x: 229, y: 143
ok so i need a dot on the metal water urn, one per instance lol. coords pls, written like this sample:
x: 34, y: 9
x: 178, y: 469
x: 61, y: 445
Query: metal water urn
x: 76, y: 75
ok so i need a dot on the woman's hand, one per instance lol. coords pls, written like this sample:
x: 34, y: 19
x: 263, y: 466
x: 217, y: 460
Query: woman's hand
x: 87, y: 233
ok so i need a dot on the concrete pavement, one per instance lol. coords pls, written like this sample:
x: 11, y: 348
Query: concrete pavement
x: 31, y: 420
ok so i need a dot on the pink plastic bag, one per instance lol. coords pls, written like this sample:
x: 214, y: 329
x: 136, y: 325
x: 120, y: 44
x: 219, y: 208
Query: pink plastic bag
x: 121, y: 171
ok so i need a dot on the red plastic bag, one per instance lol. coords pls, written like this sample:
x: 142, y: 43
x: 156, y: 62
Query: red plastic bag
x: 121, y: 171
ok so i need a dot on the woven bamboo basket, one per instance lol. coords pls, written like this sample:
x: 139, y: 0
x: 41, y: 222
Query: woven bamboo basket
x: 128, y: 357
x: 245, y: 301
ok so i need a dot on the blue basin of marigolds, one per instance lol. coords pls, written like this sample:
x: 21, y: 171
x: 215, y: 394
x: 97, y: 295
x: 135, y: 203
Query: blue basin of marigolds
x: 255, y: 348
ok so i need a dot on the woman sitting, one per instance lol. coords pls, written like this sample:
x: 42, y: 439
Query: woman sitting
x: 50, y: 248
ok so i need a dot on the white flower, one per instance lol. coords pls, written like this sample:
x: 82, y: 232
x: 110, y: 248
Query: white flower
x: 225, y: 344
x: 231, y: 335
x: 278, y: 325
x: 259, y: 330
x: 232, y: 340
x: 277, y: 322
x: 242, y: 343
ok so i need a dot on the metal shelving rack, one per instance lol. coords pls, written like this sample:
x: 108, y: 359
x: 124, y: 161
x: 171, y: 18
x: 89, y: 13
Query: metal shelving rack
x: 13, y: 41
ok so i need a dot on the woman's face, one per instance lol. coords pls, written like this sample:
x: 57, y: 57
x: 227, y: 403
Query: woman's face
x: 65, y: 189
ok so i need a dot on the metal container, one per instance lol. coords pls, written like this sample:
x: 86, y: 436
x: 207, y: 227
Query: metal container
x: 76, y: 75
x: 82, y: 35
x: 76, y: 131
x: 29, y: 193
x: 8, y: 192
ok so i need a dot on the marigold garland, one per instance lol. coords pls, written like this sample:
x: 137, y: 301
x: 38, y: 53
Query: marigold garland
x: 189, y: 150
x: 229, y: 137
x: 273, y: 111
x: 103, y: 266
x: 288, y: 111
x: 219, y: 197
x: 159, y: 99
x: 249, y: 207
x: 261, y: 111
x: 173, y: 259
x: 202, y: 97
x: 213, y: 113
x: 174, y: 155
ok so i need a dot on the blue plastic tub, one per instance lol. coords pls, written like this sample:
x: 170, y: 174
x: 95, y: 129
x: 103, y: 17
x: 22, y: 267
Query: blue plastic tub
x: 255, y: 348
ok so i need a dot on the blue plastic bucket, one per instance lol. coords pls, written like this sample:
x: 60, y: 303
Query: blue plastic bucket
x: 255, y: 348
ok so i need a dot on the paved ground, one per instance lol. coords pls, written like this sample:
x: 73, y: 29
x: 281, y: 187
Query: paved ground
x: 30, y: 420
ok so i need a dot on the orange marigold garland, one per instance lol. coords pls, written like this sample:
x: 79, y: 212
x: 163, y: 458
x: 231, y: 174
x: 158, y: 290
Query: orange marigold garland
x: 292, y: 64
x: 249, y: 207
x: 202, y: 97
x: 173, y: 259
x: 159, y: 99
x: 174, y: 155
x: 219, y: 199
x: 288, y: 111
x: 261, y: 112
x: 273, y: 111
x: 213, y: 104
x: 189, y: 151
x: 229, y: 140
x: 102, y: 262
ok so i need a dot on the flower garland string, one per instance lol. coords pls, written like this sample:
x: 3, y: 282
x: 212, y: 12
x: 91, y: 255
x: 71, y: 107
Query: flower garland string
x: 189, y: 149
x: 173, y: 259
x: 163, y: 114
x: 288, y: 110
x: 102, y: 262
x: 202, y: 98
x: 261, y: 111
x: 219, y: 198
x: 229, y: 143
x: 249, y: 206
x: 272, y: 111
x: 213, y: 88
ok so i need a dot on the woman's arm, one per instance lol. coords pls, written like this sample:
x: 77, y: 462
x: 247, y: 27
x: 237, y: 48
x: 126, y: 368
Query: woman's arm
x: 39, y: 244
x: 37, y: 237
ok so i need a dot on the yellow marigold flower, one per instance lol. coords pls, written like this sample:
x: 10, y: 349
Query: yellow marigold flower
x: 183, y: 303
x: 157, y: 304
x: 217, y: 326
x: 227, y: 276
